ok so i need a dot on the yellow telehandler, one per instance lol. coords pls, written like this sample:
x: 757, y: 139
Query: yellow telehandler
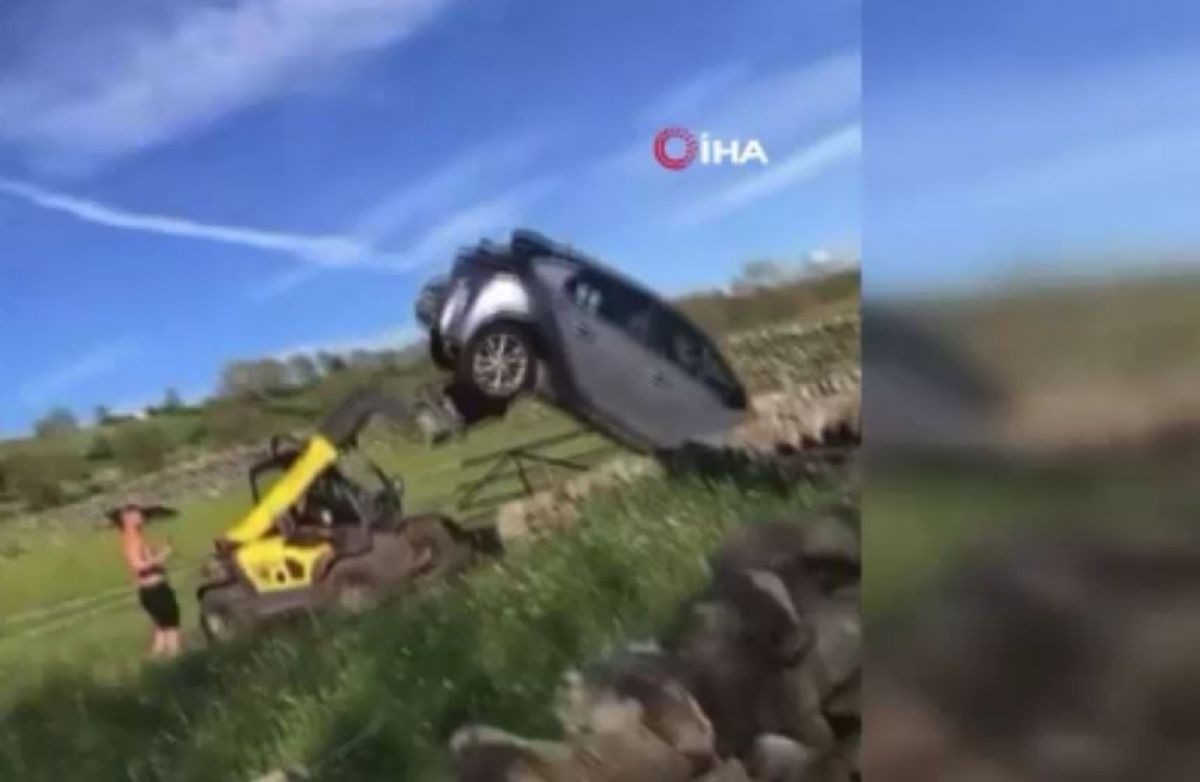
x: 327, y: 531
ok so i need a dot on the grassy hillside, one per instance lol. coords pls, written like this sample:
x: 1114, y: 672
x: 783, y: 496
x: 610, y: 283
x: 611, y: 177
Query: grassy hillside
x: 261, y: 398
x: 76, y: 698
x: 1119, y: 329
x: 376, y: 698
x: 1097, y: 351
x: 89, y: 619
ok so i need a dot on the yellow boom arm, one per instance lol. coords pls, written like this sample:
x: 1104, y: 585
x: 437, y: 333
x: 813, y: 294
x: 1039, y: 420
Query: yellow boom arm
x: 317, y: 455
x: 338, y: 430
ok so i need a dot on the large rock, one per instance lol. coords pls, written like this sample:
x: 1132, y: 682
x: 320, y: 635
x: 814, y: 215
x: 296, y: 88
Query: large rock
x: 758, y: 680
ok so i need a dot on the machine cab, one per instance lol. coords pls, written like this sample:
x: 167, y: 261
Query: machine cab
x: 351, y: 492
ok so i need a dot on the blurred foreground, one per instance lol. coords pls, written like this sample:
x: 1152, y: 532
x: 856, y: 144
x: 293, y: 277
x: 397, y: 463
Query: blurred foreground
x: 1032, y: 569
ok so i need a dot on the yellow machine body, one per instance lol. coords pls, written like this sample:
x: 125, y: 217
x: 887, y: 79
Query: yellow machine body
x: 269, y: 561
x: 272, y: 564
x: 317, y: 455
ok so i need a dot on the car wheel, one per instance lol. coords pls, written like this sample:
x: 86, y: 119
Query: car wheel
x: 437, y: 351
x: 354, y: 590
x: 224, y: 614
x: 499, y: 362
x: 435, y: 552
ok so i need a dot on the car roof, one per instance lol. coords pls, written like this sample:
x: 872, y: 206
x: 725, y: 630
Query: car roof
x: 526, y: 244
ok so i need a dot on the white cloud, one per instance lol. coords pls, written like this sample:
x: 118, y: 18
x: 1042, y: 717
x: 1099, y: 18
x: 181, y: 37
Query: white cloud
x: 147, y: 83
x: 842, y: 144
x: 101, y: 360
x: 829, y: 259
x: 415, y: 203
x: 318, y: 252
x: 468, y: 224
x: 330, y: 250
x: 684, y: 100
x: 448, y: 184
x: 789, y: 101
x: 732, y: 100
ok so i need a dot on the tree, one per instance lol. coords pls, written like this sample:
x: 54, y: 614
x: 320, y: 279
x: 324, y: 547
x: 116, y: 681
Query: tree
x: 140, y: 447
x: 58, y: 421
x: 363, y: 359
x: 247, y: 379
x: 233, y: 420
x: 38, y: 478
x: 303, y: 369
x: 101, y: 448
x: 761, y: 274
x: 330, y: 363
x: 172, y: 402
x: 101, y: 415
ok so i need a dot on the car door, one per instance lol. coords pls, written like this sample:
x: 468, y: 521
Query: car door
x: 695, y: 395
x: 606, y: 327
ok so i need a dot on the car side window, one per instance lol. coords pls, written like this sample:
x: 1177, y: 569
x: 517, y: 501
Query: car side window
x: 585, y: 295
x: 691, y: 351
x: 621, y: 306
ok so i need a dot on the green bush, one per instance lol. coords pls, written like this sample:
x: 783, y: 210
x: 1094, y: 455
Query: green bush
x: 39, y: 478
x: 140, y: 447
x: 56, y: 423
x: 101, y: 448
x: 229, y: 421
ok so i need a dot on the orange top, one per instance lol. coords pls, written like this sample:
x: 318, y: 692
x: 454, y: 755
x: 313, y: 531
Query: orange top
x: 143, y: 565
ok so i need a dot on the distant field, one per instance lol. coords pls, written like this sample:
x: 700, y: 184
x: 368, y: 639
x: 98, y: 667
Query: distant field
x: 1084, y: 360
x: 1076, y: 360
x: 55, y: 470
x: 66, y: 605
x: 67, y: 601
x: 376, y: 698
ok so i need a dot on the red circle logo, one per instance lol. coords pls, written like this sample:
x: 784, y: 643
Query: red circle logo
x: 665, y: 158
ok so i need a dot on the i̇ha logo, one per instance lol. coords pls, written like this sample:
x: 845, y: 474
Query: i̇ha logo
x: 677, y: 148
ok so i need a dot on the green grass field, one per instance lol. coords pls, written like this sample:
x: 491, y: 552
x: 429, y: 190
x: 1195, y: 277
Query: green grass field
x: 376, y: 697
x: 66, y: 603
x: 368, y: 699
x: 919, y: 520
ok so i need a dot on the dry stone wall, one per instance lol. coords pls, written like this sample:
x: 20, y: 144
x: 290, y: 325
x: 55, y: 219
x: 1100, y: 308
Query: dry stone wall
x: 207, y: 475
x: 758, y: 679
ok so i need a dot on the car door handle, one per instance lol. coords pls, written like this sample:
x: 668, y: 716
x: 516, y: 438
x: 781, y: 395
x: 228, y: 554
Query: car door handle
x: 583, y: 330
x: 659, y: 380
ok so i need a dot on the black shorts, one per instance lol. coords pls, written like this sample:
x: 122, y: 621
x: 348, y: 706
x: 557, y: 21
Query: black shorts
x: 159, y: 602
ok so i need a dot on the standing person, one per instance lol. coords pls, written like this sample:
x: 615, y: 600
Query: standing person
x: 149, y: 573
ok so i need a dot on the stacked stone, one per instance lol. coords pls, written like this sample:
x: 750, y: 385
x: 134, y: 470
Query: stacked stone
x: 758, y: 679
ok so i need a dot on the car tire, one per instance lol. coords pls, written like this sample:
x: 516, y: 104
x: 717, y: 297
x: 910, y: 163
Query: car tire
x: 353, y: 588
x: 499, y: 362
x: 225, y: 613
x: 436, y: 552
x: 437, y: 351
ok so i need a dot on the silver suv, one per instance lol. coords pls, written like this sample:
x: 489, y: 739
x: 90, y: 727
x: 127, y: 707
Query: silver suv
x: 536, y: 316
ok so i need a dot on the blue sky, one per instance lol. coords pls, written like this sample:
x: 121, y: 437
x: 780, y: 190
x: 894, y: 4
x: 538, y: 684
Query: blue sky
x: 1028, y: 137
x: 184, y: 182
